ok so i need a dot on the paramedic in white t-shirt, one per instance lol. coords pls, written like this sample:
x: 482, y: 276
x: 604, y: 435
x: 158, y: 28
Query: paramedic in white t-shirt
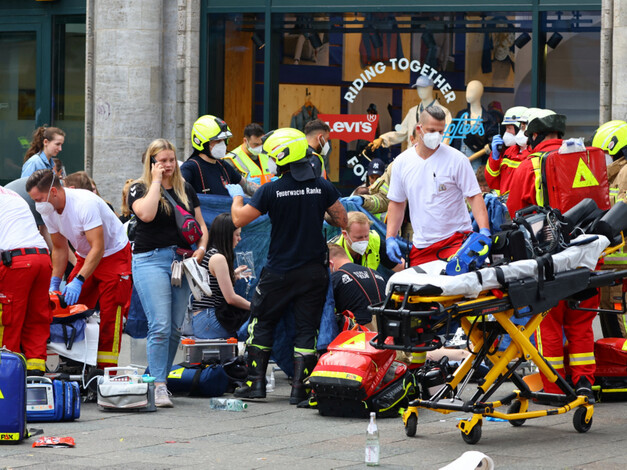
x: 25, y: 272
x: 102, y: 273
x: 436, y: 180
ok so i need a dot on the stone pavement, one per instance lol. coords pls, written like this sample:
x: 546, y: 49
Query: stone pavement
x: 272, y: 434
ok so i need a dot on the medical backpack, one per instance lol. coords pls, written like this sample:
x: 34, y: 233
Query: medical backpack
x: 52, y: 400
x: 569, y: 178
x: 12, y: 397
x: 354, y: 378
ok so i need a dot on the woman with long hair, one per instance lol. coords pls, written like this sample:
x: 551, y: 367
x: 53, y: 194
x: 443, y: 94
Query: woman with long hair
x: 223, y: 238
x: 47, y: 143
x: 157, y: 244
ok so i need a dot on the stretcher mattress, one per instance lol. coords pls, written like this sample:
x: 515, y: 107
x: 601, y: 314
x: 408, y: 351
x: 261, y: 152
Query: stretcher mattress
x: 428, y: 280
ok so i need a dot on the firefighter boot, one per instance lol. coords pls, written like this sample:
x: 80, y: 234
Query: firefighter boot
x: 303, y: 367
x: 255, y: 384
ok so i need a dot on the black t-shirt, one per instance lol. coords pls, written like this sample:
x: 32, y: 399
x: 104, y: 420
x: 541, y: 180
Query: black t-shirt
x: 354, y: 288
x: 162, y: 231
x: 296, y: 210
x: 212, y: 176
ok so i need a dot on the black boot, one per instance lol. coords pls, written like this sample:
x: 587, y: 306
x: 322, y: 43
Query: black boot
x: 584, y: 388
x: 303, y: 367
x: 255, y: 385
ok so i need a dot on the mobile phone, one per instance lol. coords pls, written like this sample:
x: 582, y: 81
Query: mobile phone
x: 153, y: 161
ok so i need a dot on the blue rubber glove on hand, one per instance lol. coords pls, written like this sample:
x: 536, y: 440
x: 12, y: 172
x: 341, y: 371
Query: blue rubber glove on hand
x: 357, y: 200
x: 55, y: 282
x: 496, y: 141
x: 72, y: 291
x: 393, y: 249
x: 235, y: 190
x: 486, y: 232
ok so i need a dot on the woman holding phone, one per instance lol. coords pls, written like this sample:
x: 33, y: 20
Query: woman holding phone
x: 157, y: 244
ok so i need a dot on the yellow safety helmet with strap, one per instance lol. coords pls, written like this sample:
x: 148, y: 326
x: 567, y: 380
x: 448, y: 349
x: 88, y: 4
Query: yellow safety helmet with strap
x: 208, y: 128
x: 612, y: 138
x: 285, y: 146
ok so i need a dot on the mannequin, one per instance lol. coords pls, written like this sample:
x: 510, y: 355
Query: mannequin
x: 424, y: 87
x: 473, y: 143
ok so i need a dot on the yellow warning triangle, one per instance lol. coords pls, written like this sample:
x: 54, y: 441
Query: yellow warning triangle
x: 584, y: 177
x: 1, y: 395
x: 356, y: 342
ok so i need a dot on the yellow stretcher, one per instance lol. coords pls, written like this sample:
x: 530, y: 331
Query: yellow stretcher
x: 414, y: 322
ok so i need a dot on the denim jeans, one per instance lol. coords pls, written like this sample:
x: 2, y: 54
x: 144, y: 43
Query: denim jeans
x: 165, y: 306
x: 207, y: 326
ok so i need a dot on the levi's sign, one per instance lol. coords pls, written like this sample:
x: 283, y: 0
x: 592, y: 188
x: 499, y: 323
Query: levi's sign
x: 349, y: 127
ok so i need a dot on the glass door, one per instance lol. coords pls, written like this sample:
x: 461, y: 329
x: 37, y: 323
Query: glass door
x: 19, y: 100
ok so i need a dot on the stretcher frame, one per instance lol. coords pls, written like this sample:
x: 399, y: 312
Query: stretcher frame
x: 406, y: 316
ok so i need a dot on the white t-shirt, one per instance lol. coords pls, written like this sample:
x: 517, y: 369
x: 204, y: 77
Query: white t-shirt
x: 435, y: 189
x: 84, y: 211
x: 17, y: 224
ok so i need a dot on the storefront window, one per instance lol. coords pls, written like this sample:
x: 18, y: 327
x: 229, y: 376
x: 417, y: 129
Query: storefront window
x: 369, y: 74
x: 68, y: 102
x: 18, y: 107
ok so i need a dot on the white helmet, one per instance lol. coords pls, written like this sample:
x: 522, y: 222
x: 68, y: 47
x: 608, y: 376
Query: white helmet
x: 528, y: 115
x: 512, y: 115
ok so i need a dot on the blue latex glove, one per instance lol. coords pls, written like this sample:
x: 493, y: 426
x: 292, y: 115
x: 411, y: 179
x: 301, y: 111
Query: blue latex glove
x: 55, y: 282
x: 496, y: 141
x: 274, y: 178
x: 393, y: 250
x: 234, y: 190
x: 357, y: 200
x: 254, y: 179
x: 72, y: 291
x: 486, y: 232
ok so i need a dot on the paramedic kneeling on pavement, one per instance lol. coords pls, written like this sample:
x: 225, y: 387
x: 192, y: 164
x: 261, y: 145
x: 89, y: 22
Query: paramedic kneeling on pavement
x: 434, y: 179
x: 103, y: 268
x: 296, y: 271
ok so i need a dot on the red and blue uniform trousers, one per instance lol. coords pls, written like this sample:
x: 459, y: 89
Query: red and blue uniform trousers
x: 576, y: 325
x: 25, y: 313
x: 110, y: 286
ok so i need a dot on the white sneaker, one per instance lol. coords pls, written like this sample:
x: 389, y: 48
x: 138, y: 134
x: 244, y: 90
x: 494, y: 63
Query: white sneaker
x: 162, y: 397
x: 197, y: 278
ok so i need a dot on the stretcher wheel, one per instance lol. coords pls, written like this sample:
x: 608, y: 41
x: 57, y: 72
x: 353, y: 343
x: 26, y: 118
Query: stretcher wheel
x: 515, y: 408
x: 411, y: 425
x: 579, y: 420
x: 473, y: 436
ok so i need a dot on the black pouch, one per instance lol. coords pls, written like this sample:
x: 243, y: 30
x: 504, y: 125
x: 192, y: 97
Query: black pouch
x: 7, y: 259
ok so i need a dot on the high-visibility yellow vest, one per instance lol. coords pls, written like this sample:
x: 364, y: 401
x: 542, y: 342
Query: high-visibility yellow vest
x: 246, y: 166
x: 371, y: 258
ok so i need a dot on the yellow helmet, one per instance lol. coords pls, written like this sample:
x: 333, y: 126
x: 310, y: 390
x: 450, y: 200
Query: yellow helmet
x: 286, y: 145
x: 208, y: 128
x: 612, y: 137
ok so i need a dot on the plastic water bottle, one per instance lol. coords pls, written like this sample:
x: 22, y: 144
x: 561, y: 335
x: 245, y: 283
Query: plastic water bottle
x: 270, y: 382
x: 228, y: 404
x: 372, y: 442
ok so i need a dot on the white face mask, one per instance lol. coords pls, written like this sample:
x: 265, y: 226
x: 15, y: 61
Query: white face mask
x: 219, y: 150
x: 358, y: 247
x: 432, y: 139
x: 325, y: 148
x: 254, y: 150
x: 46, y: 208
x: 521, y: 138
x: 509, y: 139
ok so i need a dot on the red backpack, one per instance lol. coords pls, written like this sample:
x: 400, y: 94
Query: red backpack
x: 569, y: 178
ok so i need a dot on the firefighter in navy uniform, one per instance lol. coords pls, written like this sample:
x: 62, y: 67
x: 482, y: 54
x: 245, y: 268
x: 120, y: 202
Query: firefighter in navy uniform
x: 249, y: 160
x: 545, y: 134
x: 296, y: 270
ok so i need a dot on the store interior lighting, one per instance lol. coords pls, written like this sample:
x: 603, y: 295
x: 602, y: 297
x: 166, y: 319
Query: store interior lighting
x: 522, y: 40
x: 554, y: 40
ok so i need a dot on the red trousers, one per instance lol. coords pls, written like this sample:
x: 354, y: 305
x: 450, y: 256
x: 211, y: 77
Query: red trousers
x: 110, y: 285
x: 440, y: 250
x: 577, y: 327
x: 25, y: 313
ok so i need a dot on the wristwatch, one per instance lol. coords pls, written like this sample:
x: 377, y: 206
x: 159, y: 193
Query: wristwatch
x: 80, y: 278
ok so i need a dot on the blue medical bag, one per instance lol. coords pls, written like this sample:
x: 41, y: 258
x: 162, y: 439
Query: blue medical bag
x: 52, y: 400
x: 12, y: 397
